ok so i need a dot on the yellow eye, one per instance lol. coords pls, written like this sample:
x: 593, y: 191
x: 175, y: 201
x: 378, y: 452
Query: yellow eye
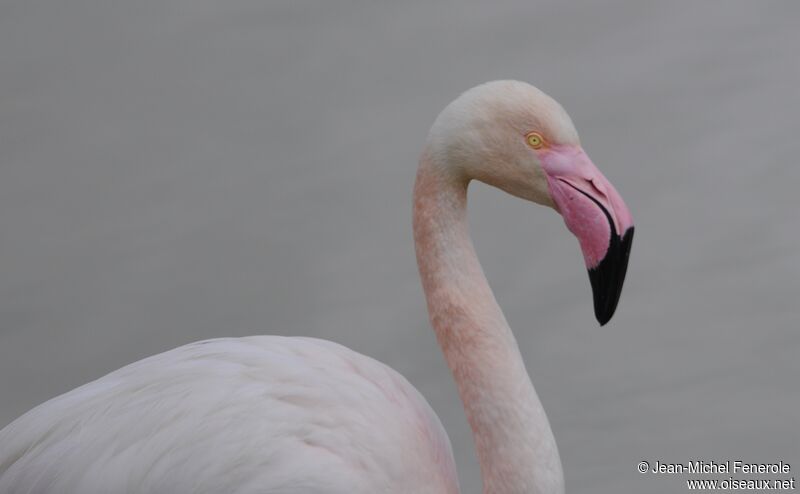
x: 535, y: 140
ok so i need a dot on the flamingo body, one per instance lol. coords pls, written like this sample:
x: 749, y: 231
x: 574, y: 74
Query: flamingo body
x: 262, y: 414
x: 272, y: 415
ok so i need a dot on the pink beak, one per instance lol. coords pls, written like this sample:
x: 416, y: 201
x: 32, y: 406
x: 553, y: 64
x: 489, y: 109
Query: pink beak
x: 595, y: 213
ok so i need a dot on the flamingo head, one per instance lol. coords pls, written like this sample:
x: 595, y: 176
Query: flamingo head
x: 513, y: 136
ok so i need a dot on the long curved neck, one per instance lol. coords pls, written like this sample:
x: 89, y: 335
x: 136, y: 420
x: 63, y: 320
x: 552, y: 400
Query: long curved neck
x: 516, y: 448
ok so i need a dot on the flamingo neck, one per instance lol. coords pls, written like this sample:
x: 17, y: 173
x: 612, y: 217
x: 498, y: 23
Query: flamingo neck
x: 516, y: 448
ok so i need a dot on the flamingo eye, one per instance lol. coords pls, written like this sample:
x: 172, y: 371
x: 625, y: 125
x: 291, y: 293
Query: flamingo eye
x: 535, y: 140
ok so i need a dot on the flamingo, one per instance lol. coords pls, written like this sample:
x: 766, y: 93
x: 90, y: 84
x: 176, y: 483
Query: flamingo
x: 271, y: 414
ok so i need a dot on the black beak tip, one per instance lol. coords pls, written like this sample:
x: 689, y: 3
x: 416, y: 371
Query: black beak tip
x: 608, y: 276
x: 602, y: 318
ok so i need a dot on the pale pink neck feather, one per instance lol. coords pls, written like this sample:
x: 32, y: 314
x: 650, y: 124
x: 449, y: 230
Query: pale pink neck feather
x: 515, y: 444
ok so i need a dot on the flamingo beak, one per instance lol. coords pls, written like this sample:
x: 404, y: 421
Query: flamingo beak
x: 595, y: 213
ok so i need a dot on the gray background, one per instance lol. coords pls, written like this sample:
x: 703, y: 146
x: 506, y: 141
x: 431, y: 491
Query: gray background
x: 177, y: 170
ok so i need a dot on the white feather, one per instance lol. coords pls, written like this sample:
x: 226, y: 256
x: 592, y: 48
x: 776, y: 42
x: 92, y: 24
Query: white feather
x: 263, y: 414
